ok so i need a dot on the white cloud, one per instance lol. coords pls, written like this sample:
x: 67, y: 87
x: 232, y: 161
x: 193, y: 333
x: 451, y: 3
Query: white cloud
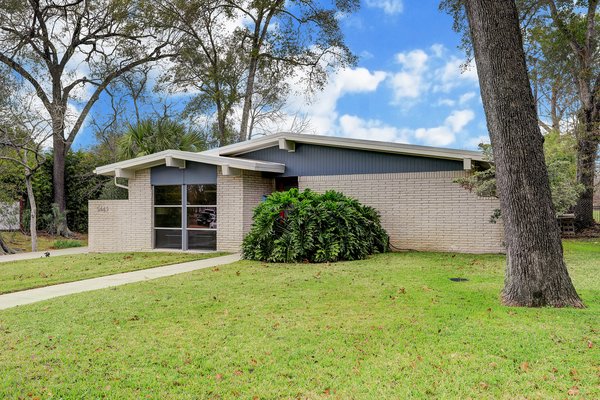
x: 437, y: 49
x: 445, y: 134
x: 454, y: 74
x: 438, y: 136
x: 446, y: 102
x: 409, y: 83
x: 352, y: 126
x: 357, y: 128
x: 475, y: 141
x: 322, y: 110
x: 390, y: 7
x: 466, y: 97
x: 459, y: 119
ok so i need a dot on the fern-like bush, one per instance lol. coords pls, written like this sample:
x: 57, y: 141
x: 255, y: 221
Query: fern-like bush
x: 296, y: 226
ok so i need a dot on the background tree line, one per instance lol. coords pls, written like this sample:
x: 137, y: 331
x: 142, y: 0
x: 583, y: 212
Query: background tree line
x: 233, y: 59
x: 560, y: 40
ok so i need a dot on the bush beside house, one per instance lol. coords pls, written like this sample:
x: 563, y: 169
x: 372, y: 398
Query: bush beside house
x: 296, y: 226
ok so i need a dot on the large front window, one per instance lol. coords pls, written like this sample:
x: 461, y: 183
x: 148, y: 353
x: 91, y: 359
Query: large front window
x: 201, y: 216
x: 185, y: 217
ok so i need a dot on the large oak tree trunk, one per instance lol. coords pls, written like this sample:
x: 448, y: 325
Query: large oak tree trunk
x: 536, y: 274
x: 587, y: 148
x: 58, y: 180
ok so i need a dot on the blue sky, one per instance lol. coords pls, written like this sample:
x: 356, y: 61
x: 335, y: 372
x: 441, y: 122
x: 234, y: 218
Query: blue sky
x: 407, y: 86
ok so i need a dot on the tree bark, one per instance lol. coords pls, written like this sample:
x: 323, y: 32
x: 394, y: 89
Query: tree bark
x: 33, y: 210
x: 536, y: 274
x: 248, y: 95
x: 587, y: 148
x: 4, y: 249
x: 58, y: 180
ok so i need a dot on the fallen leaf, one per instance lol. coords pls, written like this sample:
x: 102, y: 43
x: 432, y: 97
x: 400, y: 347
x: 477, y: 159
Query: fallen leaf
x: 219, y: 377
x: 590, y: 344
x: 493, y: 365
x: 573, y: 391
x: 237, y: 372
x: 525, y: 366
x: 483, y: 385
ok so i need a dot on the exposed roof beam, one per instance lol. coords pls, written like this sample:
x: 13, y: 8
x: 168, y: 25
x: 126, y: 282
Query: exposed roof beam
x: 467, y: 164
x: 124, y: 173
x: 288, y: 145
x: 226, y: 170
x: 170, y: 161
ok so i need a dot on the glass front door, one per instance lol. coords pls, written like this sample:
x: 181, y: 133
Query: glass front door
x: 185, y: 217
x: 201, y: 212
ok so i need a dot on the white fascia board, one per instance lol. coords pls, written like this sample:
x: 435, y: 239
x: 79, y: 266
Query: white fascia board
x: 357, y: 144
x: 160, y: 158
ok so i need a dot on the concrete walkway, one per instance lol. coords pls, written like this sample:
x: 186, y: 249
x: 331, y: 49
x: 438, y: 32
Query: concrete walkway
x: 40, y: 254
x: 34, y: 295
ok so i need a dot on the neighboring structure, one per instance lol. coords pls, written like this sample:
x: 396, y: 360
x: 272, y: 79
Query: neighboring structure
x: 10, y: 216
x: 183, y: 200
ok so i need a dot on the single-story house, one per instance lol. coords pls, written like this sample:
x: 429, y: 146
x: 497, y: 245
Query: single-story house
x: 186, y: 200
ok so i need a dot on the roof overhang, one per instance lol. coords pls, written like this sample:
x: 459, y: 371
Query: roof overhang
x: 286, y: 141
x: 177, y: 159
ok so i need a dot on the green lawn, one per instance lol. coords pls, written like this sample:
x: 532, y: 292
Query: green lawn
x: 393, y: 326
x: 22, y: 243
x: 28, y: 274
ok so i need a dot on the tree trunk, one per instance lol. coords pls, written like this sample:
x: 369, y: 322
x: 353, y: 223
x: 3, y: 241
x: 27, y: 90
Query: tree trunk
x: 248, y: 97
x: 4, y: 249
x: 58, y: 179
x: 33, y: 209
x: 587, y: 149
x: 536, y: 274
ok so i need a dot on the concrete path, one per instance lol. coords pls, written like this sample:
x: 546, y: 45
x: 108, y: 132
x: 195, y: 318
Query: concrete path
x: 34, y: 295
x: 40, y: 254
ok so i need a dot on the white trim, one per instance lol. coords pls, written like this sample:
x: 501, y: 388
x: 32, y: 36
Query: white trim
x: 288, y: 145
x: 227, y: 170
x: 467, y: 164
x: 174, y: 162
x: 358, y: 144
x: 129, y: 166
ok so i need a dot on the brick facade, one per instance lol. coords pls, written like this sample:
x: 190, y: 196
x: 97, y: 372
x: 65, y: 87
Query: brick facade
x: 422, y: 211
x: 123, y: 225
x: 237, y: 196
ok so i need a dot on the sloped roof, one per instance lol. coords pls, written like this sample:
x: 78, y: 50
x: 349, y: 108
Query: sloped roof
x: 173, y: 156
x: 332, y: 141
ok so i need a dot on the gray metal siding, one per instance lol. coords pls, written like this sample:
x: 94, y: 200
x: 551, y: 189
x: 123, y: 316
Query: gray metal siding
x: 314, y: 160
x: 194, y: 173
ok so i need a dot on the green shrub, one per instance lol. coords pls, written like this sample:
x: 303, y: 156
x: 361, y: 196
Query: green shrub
x: 296, y: 226
x: 65, y: 244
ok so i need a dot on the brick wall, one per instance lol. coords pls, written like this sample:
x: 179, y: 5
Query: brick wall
x: 237, y: 196
x: 422, y: 211
x: 123, y: 225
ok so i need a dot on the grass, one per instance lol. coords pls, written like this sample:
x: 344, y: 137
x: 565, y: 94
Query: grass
x: 66, y: 244
x: 393, y: 326
x: 22, y: 243
x: 28, y: 274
